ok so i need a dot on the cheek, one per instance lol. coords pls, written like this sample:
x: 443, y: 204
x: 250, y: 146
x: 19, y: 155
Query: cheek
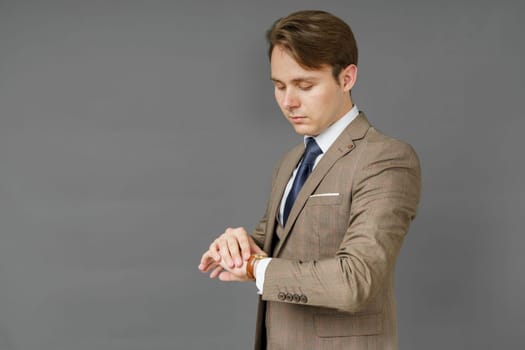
x: 315, y: 102
x: 322, y: 97
x: 278, y: 98
x: 326, y: 102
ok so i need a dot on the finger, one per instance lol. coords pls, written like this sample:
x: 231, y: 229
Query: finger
x: 205, y: 259
x: 214, y: 250
x: 224, y: 252
x: 227, y: 276
x: 233, y: 247
x: 216, y: 272
x: 208, y: 265
x: 243, y: 240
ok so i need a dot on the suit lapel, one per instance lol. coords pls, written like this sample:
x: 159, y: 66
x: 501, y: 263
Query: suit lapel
x: 342, y: 145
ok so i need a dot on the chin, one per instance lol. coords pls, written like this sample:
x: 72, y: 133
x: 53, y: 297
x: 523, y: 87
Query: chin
x: 304, y: 129
x: 301, y: 130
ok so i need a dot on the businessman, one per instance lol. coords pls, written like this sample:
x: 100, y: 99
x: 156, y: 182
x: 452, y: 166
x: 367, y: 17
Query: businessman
x: 340, y: 205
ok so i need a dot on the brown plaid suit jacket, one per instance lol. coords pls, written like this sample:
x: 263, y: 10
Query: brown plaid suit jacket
x: 330, y: 283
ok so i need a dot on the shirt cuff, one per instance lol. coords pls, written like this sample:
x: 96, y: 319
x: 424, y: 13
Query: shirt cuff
x: 260, y: 271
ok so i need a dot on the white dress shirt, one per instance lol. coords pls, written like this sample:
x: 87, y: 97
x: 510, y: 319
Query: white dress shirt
x: 324, y: 141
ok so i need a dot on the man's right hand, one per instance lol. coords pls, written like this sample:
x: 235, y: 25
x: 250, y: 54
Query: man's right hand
x: 231, y: 249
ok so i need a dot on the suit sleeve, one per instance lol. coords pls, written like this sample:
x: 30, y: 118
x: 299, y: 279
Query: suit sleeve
x: 259, y: 233
x: 385, y: 194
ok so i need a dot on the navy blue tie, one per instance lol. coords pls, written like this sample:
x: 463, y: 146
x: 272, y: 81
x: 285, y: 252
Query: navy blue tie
x: 310, y: 155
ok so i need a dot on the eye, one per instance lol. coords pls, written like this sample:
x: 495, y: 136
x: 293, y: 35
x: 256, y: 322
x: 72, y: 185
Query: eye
x: 306, y: 86
x: 279, y: 86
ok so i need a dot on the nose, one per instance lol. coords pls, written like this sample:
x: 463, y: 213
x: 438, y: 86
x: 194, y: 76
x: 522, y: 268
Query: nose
x: 290, y: 100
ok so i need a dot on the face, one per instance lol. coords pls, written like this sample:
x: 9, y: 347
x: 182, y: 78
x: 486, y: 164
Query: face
x: 310, y: 99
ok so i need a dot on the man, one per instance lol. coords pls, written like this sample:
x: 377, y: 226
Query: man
x: 323, y: 255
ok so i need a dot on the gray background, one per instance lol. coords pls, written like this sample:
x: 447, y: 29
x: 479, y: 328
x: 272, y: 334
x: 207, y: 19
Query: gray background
x: 132, y: 133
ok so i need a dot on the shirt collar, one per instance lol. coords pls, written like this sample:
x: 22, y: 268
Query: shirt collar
x: 328, y: 137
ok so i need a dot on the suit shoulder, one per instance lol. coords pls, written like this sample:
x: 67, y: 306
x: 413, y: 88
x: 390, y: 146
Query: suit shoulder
x: 376, y: 140
x: 378, y: 148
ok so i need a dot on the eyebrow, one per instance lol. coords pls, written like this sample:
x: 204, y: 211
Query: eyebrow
x: 297, y: 80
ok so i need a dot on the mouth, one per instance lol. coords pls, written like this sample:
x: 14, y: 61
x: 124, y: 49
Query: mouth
x: 297, y: 118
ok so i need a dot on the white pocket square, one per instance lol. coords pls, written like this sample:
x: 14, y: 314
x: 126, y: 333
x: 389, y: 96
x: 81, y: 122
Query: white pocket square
x: 324, y: 195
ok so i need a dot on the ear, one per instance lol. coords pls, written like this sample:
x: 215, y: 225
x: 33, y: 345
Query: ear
x: 348, y: 77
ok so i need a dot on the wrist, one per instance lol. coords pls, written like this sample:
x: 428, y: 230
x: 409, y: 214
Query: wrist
x: 251, y: 265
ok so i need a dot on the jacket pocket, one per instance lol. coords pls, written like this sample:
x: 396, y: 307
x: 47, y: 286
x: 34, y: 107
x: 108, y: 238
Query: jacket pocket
x: 324, y: 199
x: 338, y: 325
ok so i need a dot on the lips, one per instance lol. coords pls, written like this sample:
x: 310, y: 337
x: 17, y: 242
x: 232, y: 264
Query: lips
x: 297, y: 119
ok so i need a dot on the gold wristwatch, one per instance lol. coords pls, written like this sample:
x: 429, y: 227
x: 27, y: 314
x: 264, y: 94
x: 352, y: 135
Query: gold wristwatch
x: 251, y: 263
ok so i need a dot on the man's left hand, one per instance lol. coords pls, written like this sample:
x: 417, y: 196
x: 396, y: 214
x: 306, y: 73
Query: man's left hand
x: 222, y: 270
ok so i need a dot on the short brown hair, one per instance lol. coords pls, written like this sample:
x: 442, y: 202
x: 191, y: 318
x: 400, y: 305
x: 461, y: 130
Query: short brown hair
x: 314, y: 39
